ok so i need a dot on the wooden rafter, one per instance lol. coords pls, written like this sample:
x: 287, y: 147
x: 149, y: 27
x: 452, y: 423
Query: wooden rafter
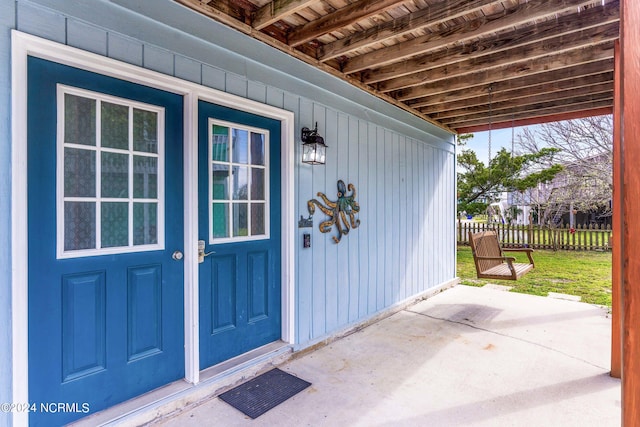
x: 531, y: 102
x: 463, y: 100
x: 512, y: 71
x: 276, y: 10
x: 522, y: 83
x: 340, y: 18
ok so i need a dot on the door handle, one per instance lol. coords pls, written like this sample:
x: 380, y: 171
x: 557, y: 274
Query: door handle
x: 177, y: 255
x: 201, y: 254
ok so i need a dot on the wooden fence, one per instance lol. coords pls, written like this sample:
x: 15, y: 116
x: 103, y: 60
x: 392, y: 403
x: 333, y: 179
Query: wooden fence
x: 582, y: 237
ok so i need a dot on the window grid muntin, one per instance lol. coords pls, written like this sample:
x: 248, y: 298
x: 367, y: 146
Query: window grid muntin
x: 98, y: 149
x: 230, y: 201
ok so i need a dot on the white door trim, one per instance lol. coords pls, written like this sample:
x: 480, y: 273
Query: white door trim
x: 24, y: 45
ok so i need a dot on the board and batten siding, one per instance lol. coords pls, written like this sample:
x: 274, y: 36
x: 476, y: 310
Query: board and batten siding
x: 403, y: 167
x: 403, y: 246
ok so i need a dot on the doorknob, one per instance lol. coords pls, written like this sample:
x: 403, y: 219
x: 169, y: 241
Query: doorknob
x: 177, y: 255
x: 201, y: 254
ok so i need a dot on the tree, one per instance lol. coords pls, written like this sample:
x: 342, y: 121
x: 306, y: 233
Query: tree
x: 586, y: 152
x: 479, y: 185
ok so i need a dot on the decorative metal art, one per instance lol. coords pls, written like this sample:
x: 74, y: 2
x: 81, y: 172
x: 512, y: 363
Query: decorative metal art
x: 338, y: 211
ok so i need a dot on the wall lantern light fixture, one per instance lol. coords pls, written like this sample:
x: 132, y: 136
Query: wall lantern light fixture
x: 313, y: 149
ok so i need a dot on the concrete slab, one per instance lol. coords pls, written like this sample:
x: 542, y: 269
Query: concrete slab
x: 467, y: 356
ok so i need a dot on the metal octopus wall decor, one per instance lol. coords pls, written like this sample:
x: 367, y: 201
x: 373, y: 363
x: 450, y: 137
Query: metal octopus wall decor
x: 338, y: 211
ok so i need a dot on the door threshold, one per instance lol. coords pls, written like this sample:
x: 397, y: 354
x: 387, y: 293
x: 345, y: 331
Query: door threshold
x: 173, y: 398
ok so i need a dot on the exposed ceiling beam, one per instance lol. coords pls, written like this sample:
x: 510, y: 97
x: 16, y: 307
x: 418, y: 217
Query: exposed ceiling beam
x: 276, y: 10
x: 512, y: 106
x: 430, y: 16
x: 538, y: 120
x: 524, y: 12
x: 347, y: 15
x: 563, y: 26
x: 542, y: 109
x: 461, y: 100
x: 530, y: 68
x: 521, y: 83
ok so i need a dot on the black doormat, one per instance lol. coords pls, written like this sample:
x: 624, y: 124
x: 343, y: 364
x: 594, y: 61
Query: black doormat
x: 266, y: 391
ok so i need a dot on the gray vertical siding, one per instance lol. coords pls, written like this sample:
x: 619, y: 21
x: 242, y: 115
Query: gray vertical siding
x: 402, y: 167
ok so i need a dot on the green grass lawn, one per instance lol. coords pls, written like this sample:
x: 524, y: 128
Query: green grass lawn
x: 583, y: 273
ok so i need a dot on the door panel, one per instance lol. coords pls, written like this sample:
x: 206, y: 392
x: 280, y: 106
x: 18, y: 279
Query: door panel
x: 106, y: 300
x: 239, y: 219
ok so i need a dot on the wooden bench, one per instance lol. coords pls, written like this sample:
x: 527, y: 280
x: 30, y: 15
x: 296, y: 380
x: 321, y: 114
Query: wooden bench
x: 490, y: 261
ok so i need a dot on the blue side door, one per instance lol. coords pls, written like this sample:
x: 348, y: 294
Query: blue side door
x: 105, y: 195
x: 239, y: 226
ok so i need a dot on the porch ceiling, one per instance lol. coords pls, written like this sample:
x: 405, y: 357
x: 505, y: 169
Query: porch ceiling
x: 466, y: 65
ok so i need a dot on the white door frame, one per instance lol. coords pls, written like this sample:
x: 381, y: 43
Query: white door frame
x: 24, y: 45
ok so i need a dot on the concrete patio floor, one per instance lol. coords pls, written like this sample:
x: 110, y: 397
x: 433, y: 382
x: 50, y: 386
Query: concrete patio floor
x: 467, y: 356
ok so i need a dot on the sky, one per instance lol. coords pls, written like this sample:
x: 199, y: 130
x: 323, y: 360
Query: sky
x: 499, y: 138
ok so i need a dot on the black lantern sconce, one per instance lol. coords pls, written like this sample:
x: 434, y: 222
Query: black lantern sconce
x: 313, y: 149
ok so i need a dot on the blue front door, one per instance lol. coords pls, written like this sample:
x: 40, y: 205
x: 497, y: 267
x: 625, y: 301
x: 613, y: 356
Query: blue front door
x: 105, y: 194
x: 239, y: 226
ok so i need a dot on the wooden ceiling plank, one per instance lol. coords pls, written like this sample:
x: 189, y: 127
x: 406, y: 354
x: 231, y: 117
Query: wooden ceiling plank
x: 567, y: 75
x: 276, y: 10
x: 524, y: 12
x: 430, y: 16
x: 557, y: 62
x: 565, y: 25
x: 543, y: 109
x: 510, y: 106
x: 340, y: 18
x: 533, y: 56
x: 464, y: 101
x: 580, y: 114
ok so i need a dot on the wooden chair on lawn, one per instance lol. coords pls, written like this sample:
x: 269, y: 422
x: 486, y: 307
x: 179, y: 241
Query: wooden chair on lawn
x: 490, y: 260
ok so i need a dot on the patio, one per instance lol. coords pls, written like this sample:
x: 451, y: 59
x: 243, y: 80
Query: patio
x: 467, y: 356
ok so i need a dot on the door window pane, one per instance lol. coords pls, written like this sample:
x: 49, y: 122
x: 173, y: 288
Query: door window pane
x: 240, y: 146
x: 240, y: 220
x: 114, y: 224
x: 240, y: 183
x: 257, y: 219
x: 257, y: 148
x: 145, y: 131
x: 145, y: 223
x: 115, y: 175
x: 220, y: 220
x: 79, y: 120
x: 220, y: 182
x: 220, y: 144
x: 79, y: 225
x: 257, y: 184
x: 79, y: 173
x: 115, y: 126
x: 145, y: 177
